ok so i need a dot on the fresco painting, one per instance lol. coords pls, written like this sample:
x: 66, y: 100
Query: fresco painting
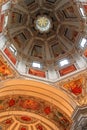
x: 35, y: 105
x: 23, y: 127
x: 85, y: 53
x: 5, y: 70
x: 10, y: 55
x: 74, y: 86
x: 37, y: 73
x: 40, y: 127
x: 85, y: 8
x: 67, y: 70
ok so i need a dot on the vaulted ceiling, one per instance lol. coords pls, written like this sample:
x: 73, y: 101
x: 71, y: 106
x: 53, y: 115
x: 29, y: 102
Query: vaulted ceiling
x: 43, y: 56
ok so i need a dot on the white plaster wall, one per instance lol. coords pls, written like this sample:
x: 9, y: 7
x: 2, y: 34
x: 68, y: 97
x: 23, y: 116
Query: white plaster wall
x: 81, y: 62
x: 2, y: 41
x: 52, y: 74
x: 21, y: 67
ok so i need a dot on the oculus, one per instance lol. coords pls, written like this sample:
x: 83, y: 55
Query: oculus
x: 43, y: 24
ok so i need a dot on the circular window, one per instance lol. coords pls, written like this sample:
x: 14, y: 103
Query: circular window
x: 43, y: 24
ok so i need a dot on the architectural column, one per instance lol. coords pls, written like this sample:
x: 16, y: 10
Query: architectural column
x: 80, y: 119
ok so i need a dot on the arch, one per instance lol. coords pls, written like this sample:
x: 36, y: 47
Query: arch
x: 40, y: 90
x: 39, y: 99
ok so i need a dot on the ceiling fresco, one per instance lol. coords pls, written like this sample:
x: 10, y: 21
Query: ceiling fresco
x: 31, y: 105
x: 6, y: 72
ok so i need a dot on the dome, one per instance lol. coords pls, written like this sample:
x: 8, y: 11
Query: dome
x: 43, y: 63
x: 47, y: 38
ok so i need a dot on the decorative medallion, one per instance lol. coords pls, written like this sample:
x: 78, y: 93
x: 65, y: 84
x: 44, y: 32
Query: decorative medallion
x: 43, y: 24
